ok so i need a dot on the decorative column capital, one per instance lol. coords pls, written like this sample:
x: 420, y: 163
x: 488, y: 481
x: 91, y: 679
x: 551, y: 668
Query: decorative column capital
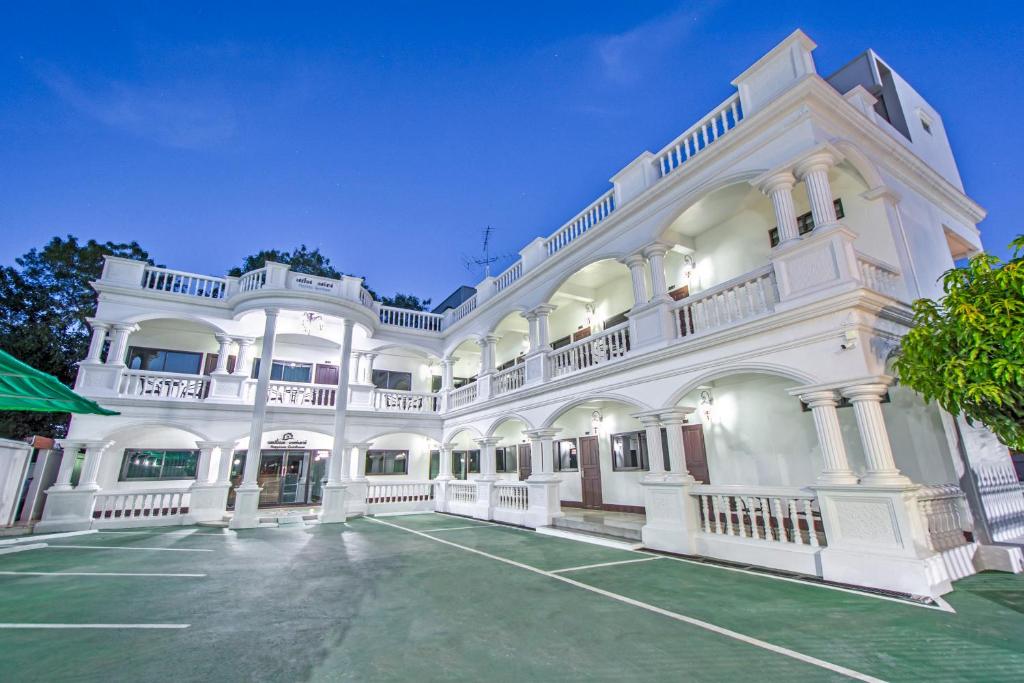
x: 634, y: 260
x: 545, y: 433
x: 125, y: 327
x: 820, y: 161
x: 872, y: 391
x: 487, y: 441
x: 203, y: 445
x: 450, y: 360
x: 225, y: 445
x: 99, y: 324
x: 244, y: 341
x: 489, y: 339
x: 648, y: 418
x: 271, y: 312
x: 70, y: 444
x: 821, y: 399
x: 543, y: 310
x: 781, y: 180
x: 224, y: 339
x: 95, y: 444
x: 656, y: 249
x: 361, y: 445
x: 674, y: 417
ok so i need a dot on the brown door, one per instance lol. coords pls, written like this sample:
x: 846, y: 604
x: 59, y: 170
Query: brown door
x: 211, y: 363
x: 590, y: 472
x: 525, y: 468
x: 696, y: 456
x: 326, y: 374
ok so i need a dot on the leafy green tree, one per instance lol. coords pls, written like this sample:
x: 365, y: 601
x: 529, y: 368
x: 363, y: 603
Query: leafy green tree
x: 966, y: 350
x: 44, y: 302
x: 413, y: 303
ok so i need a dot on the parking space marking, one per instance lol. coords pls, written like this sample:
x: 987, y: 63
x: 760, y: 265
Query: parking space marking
x: 728, y: 633
x: 603, y: 564
x: 99, y: 574
x: 456, y: 528
x: 129, y: 547
x: 123, y: 626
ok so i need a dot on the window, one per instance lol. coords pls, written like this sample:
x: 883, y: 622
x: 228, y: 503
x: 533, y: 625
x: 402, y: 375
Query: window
x: 506, y: 459
x: 162, y: 360
x: 387, y: 462
x: 283, y: 371
x: 435, y: 464
x: 566, y: 456
x: 616, y: 320
x: 629, y: 452
x: 805, y: 223
x: 389, y: 379
x: 158, y: 464
x: 464, y: 463
x: 435, y: 383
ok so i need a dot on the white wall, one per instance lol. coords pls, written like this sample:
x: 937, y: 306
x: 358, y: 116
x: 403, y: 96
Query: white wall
x: 419, y: 448
x: 735, y: 246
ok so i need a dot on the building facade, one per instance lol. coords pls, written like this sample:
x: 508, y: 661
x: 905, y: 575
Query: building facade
x: 708, y: 344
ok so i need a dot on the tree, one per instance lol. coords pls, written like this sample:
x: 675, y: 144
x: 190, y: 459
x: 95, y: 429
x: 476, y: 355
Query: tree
x: 413, y: 303
x: 44, y: 302
x: 966, y: 350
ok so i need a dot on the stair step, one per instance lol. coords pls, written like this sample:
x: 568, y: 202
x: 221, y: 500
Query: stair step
x: 595, y: 539
x: 626, y: 531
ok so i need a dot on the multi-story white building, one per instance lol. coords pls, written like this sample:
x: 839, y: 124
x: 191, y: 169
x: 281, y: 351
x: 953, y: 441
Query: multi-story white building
x: 707, y: 344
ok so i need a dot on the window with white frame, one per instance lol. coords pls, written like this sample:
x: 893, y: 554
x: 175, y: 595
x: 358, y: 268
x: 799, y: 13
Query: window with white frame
x: 506, y: 459
x: 153, y: 464
x: 387, y: 462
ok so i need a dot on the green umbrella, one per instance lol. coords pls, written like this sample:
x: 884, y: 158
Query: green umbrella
x: 22, y: 387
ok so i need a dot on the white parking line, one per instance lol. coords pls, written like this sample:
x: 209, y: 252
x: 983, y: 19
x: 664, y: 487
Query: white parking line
x: 186, y: 534
x: 21, y: 548
x: 44, y: 537
x: 728, y: 633
x: 603, y: 564
x: 99, y: 574
x: 30, y: 625
x: 456, y: 528
x: 132, y: 547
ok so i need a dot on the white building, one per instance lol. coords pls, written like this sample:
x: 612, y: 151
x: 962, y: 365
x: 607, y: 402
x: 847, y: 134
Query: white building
x: 708, y: 343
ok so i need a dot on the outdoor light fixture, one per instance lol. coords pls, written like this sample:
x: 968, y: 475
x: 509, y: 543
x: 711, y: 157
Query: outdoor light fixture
x: 590, y: 315
x: 311, y: 321
x: 596, y: 419
x: 689, y: 265
x: 707, y: 403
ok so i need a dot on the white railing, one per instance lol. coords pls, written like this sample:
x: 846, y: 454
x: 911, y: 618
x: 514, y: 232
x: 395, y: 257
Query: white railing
x: 513, y: 273
x: 877, y: 275
x: 462, y: 396
x: 179, y: 282
x: 253, y: 280
x: 365, y: 298
x: 942, y: 507
x: 416, y: 320
x: 512, y: 496
x: 164, y: 385
x: 596, y: 349
x: 772, y: 514
x: 378, y: 493
x: 699, y: 136
x: 140, y: 506
x: 731, y: 302
x: 1002, y: 497
x: 396, y: 401
x: 454, y: 315
x: 299, y: 394
x: 581, y: 223
x: 460, y: 492
x: 509, y: 379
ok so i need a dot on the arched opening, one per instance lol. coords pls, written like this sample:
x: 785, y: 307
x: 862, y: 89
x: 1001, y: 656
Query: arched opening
x: 513, y: 333
x: 599, y: 455
x: 512, y: 453
x: 401, y: 456
x: 466, y: 366
x: 148, y: 456
x: 293, y: 464
x: 593, y: 299
x: 172, y: 345
x: 465, y: 454
x: 396, y: 368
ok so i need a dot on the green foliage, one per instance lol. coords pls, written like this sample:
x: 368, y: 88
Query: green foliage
x: 413, y: 303
x: 966, y: 351
x: 44, y: 302
x: 301, y: 260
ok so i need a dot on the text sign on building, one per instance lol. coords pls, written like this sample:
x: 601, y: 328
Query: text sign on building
x: 314, y: 284
x: 287, y: 440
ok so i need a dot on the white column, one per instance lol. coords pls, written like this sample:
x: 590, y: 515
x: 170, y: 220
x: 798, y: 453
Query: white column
x: 487, y: 462
x: 867, y: 407
x: 486, y: 344
x: 227, y: 457
x: 779, y: 188
x: 814, y: 172
x: 91, y: 465
x: 204, y: 467
x: 368, y: 376
x: 673, y: 421
x: 636, y: 263
x: 531, y: 321
x: 655, y: 254
x: 543, y: 328
x: 119, y: 343
x: 223, y: 351
x: 334, y: 466
x: 444, y: 467
x: 830, y: 437
x: 243, y: 361
x: 542, y: 451
x: 99, y: 336
x: 655, y: 454
x: 259, y: 410
x: 360, y: 455
x: 67, y: 464
x: 447, y: 372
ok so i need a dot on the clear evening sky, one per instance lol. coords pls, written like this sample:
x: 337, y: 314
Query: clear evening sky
x: 390, y: 134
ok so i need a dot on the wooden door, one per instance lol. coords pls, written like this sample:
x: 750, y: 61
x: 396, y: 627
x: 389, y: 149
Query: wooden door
x: 326, y: 374
x: 525, y: 468
x: 696, y: 456
x: 590, y: 472
x: 211, y: 363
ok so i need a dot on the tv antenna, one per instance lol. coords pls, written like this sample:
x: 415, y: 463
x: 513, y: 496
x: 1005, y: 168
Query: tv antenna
x: 486, y: 259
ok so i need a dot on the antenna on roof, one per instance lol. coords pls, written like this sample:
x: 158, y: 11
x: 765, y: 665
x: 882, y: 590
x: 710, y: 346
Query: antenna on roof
x: 485, y: 260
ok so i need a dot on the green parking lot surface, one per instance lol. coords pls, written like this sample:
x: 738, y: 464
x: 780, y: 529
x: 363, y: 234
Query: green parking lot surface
x: 421, y: 597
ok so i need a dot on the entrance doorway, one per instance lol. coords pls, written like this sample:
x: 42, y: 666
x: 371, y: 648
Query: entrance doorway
x: 525, y: 467
x: 286, y: 477
x: 590, y: 472
x: 696, y: 455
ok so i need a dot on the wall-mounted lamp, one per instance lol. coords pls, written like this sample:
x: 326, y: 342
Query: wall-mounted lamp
x: 312, y: 321
x: 596, y: 421
x: 689, y: 266
x: 707, y: 405
x: 590, y: 317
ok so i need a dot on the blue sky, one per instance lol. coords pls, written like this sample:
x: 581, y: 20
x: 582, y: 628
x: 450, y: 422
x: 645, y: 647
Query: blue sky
x: 390, y: 134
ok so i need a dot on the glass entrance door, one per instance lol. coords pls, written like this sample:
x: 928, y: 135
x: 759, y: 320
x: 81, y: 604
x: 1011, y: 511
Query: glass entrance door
x: 285, y: 477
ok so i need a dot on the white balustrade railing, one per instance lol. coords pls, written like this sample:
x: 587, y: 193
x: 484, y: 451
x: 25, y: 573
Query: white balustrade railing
x: 581, y: 223
x: 398, y: 492
x: 1002, y: 497
x: 454, y: 315
x: 253, y: 280
x: 415, y: 320
x: 513, y: 273
x: 460, y: 492
x: 942, y: 507
x: 509, y: 379
x: 699, y: 136
x: 512, y: 496
x: 140, y: 505
x: 300, y: 394
x: 463, y: 396
x: 877, y: 275
x: 731, y: 302
x: 189, y: 284
x: 771, y: 514
x: 365, y: 298
x: 163, y: 385
x: 597, y: 349
x: 396, y: 401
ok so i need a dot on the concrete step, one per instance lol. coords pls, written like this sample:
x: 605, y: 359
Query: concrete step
x: 602, y: 527
x: 595, y: 539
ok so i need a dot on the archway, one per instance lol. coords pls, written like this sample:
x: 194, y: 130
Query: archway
x: 513, y: 451
x: 594, y: 298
